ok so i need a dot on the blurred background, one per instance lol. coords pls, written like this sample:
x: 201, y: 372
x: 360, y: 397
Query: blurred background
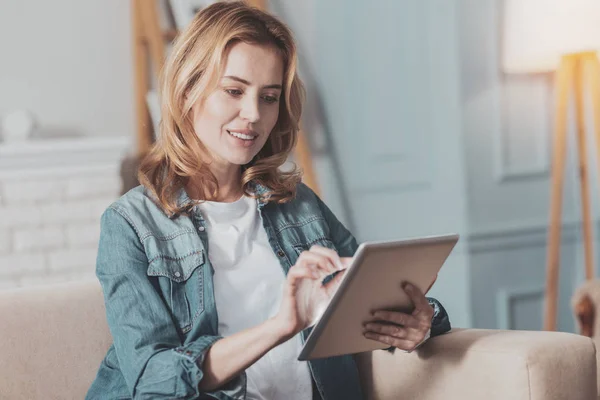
x: 415, y: 126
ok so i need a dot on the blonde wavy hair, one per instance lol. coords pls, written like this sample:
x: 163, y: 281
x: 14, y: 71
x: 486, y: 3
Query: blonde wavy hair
x: 190, y: 73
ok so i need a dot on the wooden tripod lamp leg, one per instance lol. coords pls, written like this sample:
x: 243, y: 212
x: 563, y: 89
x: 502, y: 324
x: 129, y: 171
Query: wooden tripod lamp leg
x: 260, y: 4
x: 153, y: 33
x: 583, y: 168
x: 593, y: 70
x: 564, y: 78
x: 303, y: 155
x: 141, y: 83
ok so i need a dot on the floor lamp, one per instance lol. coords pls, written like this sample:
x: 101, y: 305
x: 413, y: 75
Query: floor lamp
x: 561, y: 36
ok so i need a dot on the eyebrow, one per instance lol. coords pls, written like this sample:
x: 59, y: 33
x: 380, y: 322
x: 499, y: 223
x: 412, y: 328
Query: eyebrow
x: 245, y: 82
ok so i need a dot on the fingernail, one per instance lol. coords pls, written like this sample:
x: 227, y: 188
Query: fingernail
x: 408, y: 286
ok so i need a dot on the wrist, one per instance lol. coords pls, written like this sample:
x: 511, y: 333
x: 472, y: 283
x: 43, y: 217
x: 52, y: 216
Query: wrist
x: 282, y: 332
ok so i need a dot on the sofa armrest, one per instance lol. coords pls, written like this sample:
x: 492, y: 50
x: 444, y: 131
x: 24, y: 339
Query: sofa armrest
x: 485, y: 364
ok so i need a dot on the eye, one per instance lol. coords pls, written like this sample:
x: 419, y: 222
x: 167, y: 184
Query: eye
x: 233, y: 92
x: 270, y: 99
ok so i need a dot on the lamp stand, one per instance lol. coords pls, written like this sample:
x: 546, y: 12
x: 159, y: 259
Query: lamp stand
x: 571, y: 74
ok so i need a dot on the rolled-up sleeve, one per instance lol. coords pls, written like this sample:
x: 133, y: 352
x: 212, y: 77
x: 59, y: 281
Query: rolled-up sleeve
x: 153, y: 360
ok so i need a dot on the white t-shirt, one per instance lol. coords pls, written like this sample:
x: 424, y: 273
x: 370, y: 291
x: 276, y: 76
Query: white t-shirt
x: 248, y: 285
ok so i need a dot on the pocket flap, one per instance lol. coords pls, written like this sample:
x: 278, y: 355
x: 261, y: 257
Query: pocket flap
x: 176, y: 268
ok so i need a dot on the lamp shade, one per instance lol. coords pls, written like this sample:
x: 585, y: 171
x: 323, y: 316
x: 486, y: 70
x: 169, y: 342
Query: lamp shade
x: 536, y: 33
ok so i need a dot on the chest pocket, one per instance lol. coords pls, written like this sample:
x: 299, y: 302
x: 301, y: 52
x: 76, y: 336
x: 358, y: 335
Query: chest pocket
x: 178, y: 264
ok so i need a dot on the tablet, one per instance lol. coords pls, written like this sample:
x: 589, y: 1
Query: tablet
x: 373, y: 282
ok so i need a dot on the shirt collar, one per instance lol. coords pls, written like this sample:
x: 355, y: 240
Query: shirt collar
x: 261, y: 192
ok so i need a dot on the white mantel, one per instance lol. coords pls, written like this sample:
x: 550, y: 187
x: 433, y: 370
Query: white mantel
x: 52, y: 194
x: 58, y: 153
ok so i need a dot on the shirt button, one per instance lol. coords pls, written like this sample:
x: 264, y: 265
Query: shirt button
x: 201, y: 228
x: 177, y: 274
x: 280, y: 253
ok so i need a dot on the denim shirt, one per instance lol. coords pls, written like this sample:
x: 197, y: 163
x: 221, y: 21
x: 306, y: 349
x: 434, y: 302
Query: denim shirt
x: 156, y: 277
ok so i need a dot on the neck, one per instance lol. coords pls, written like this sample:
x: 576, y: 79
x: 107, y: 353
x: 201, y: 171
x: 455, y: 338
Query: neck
x: 229, y: 180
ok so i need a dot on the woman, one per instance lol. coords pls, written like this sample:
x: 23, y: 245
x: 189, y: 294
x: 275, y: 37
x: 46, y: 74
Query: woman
x: 212, y: 268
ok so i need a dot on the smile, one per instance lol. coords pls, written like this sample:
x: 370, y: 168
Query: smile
x: 242, y: 136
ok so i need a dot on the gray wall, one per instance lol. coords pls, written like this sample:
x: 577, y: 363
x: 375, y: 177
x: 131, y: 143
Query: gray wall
x: 68, y: 62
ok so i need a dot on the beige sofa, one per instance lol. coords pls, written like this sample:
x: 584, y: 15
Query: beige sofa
x: 54, y: 337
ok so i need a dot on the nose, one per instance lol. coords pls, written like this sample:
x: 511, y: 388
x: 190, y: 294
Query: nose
x: 250, y: 110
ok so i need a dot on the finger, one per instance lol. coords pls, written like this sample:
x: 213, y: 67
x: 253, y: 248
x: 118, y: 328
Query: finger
x: 330, y: 254
x: 298, y: 273
x: 321, y: 262
x: 402, y: 344
x: 346, y: 261
x: 396, y: 331
x: 424, y: 314
x: 417, y: 297
x: 398, y: 318
x: 313, y: 266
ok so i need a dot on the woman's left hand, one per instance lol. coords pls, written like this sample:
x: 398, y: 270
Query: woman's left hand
x: 401, y: 330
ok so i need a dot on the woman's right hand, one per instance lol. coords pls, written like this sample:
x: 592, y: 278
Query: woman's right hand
x: 304, y: 296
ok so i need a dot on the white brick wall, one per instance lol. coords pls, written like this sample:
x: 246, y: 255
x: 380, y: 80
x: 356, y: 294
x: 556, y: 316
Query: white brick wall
x: 86, y: 188
x: 76, y: 258
x: 98, y: 206
x: 11, y: 216
x: 82, y: 234
x: 50, y: 214
x: 30, y: 240
x: 5, y: 241
x: 18, y: 265
x: 66, y: 212
x: 20, y: 193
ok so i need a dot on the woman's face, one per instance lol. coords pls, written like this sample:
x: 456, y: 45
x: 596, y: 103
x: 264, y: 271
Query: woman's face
x: 236, y: 119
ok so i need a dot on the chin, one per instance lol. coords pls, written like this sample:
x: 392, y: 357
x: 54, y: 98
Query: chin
x: 240, y: 160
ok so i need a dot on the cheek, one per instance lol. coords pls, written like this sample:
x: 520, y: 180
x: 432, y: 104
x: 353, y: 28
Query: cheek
x: 223, y: 110
x: 215, y: 113
x: 272, y: 114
